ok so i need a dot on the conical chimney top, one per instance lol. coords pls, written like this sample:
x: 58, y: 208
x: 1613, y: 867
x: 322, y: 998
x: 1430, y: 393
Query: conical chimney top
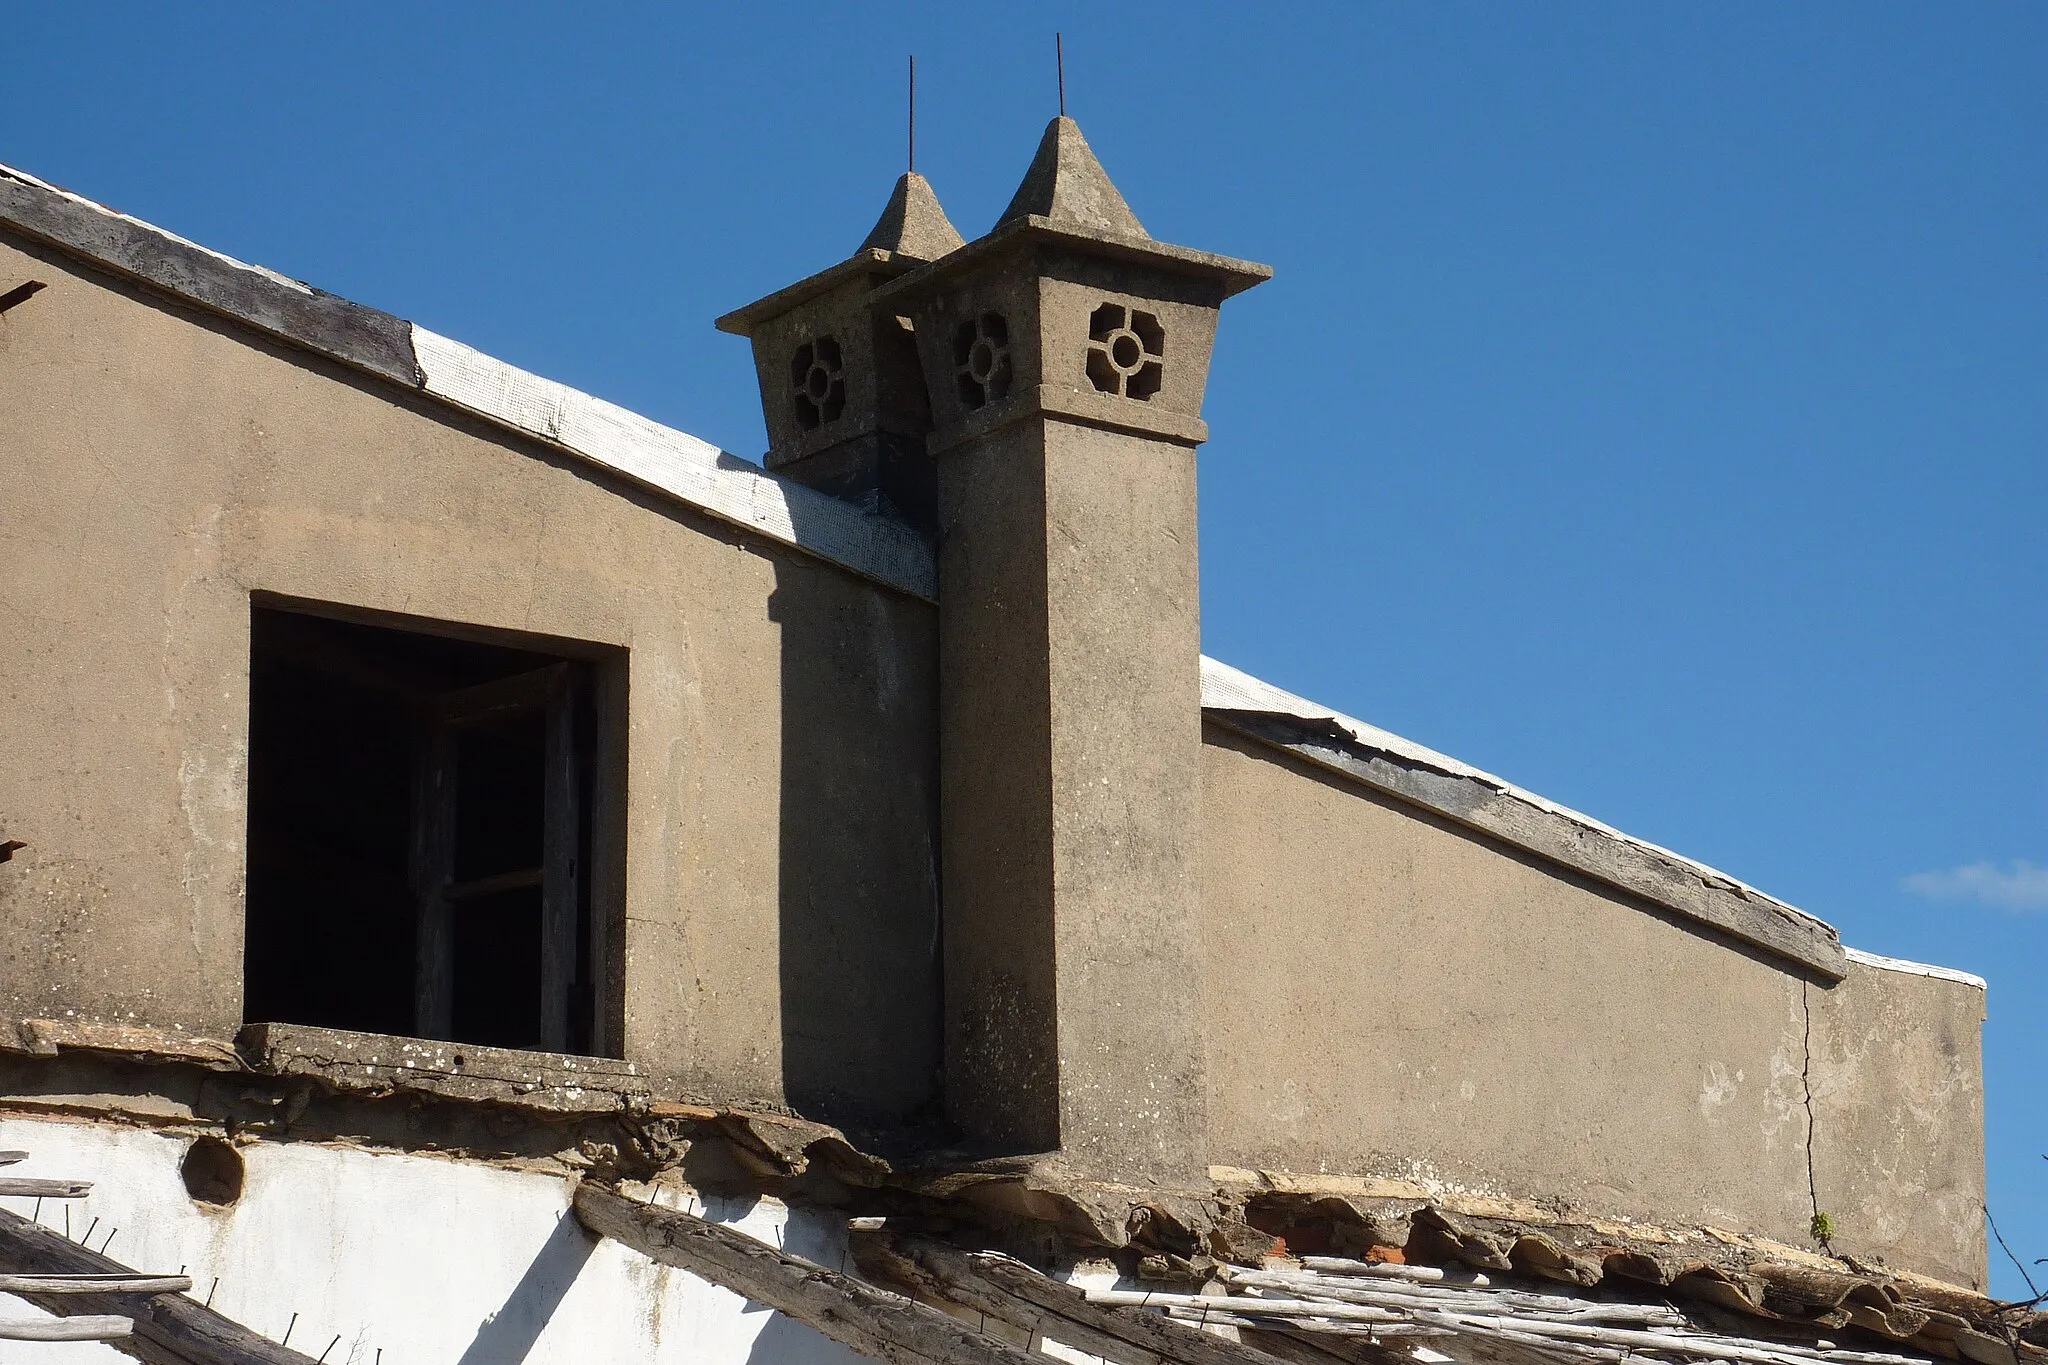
x: 1068, y: 185
x: 912, y: 232
x: 913, y: 225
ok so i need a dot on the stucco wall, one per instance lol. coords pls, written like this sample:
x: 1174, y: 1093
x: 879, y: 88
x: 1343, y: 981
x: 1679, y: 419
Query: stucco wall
x: 160, y: 468
x: 1391, y: 994
x: 1898, y: 1119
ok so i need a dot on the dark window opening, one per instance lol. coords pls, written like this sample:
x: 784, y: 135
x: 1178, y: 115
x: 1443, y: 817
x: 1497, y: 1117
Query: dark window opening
x: 420, y: 835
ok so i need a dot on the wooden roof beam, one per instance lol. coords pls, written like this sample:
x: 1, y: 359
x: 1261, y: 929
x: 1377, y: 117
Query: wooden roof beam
x: 1010, y: 1290
x: 874, y: 1322
x: 170, y: 1329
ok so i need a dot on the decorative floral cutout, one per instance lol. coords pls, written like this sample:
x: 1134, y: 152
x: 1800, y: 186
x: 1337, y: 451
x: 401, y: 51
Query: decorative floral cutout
x: 1126, y: 352
x: 817, y: 380
x: 981, y: 359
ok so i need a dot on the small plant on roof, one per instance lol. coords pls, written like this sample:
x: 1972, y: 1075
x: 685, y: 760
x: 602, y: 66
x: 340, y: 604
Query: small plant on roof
x: 1823, y: 1229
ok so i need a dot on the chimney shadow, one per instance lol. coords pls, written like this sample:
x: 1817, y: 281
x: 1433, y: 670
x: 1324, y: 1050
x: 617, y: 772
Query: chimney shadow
x: 859, y: 971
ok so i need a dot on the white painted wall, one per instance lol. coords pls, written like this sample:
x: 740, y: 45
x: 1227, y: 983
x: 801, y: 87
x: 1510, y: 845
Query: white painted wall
x: 429, y: 1261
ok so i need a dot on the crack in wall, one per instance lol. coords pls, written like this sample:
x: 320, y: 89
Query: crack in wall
x: 1806, y: 1090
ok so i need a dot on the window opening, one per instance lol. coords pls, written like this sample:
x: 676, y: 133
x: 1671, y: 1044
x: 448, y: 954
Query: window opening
x: 419, y: 835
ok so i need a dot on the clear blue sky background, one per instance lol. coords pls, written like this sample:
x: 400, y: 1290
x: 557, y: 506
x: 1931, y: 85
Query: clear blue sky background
x: 1649, y: 406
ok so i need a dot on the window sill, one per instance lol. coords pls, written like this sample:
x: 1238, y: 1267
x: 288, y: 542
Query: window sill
x: 48, y: 1037
x: 376, y: 1064
x: 365, y: 1063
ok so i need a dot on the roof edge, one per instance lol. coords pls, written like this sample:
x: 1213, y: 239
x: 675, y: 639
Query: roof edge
x: 690, y: 470
x: 1910, y: 968
x: 277, y: 305
x: 1478, y: 800
x: 659, y: 458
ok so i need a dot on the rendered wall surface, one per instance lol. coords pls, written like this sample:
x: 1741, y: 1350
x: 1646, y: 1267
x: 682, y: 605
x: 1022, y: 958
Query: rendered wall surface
x: 1898, y: 1120
x: 423, y: 1259
x: 1126, y: 771
x: 1392, y: 995
x: 1070, y: 793
x: 160, y: 468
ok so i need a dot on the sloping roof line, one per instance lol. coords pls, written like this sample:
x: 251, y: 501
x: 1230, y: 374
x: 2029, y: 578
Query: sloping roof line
x: 1495, y: 806
x: 743, y: 493
x: 1230, y: 689
x: 659, y: 458
x: 676, y: 463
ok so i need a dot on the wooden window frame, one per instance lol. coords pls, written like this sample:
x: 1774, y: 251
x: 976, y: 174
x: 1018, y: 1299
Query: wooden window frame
x: 583, y: 850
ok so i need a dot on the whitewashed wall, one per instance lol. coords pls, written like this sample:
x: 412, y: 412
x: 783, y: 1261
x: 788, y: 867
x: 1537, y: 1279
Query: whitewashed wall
x: 409, y: 1260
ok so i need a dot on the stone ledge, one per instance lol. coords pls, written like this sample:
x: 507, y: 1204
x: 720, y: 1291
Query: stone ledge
x: 375, y: 1063
x: 48, y: 1037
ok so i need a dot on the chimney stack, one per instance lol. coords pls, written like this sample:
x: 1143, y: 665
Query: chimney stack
x: 840, y: 386
x: 1066, y: 354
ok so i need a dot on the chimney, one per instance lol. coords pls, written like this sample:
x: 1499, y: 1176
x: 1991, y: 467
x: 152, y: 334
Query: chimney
x: 840, y: 385
x: 1066, y: 355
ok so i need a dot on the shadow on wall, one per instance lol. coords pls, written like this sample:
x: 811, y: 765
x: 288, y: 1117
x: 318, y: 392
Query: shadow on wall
x: 858, y: 873
x: 785, y: 1341
x: 507, y: 1335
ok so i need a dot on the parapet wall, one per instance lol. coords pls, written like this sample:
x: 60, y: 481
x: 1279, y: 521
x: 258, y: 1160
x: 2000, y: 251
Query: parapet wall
x: 1896, y: 1068
x: 1393, y: 994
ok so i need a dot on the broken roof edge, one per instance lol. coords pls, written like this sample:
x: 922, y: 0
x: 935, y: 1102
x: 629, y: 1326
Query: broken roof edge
x: 276, y: 305
x: 659, y: 458
x: 1478, y: 799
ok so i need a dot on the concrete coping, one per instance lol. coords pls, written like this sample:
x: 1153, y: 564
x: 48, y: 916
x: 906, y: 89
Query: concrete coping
x: 868, y: 260
x: 1900, y: 964
x: 377, y: 1063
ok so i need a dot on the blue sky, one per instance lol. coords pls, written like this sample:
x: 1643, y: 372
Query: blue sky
x: 1649, y: 406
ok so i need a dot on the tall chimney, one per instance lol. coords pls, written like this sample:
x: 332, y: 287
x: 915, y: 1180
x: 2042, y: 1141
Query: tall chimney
x: 1066, y: 355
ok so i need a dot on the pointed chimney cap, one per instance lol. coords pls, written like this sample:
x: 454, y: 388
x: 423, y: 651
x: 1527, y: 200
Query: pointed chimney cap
x: 1067, y: 185
x: 913, y: 225
x: 1068, y: 203
x: 913, y: 231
